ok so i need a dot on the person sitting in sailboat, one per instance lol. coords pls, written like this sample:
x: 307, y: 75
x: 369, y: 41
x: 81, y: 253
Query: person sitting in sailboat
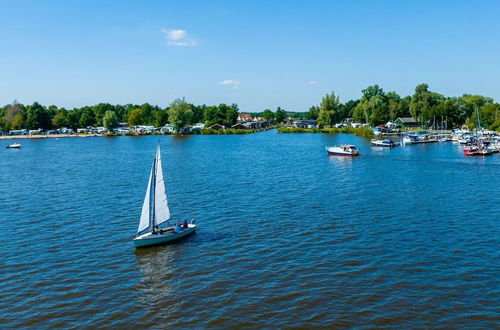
x: 177, y: 228
x: 184, y: 224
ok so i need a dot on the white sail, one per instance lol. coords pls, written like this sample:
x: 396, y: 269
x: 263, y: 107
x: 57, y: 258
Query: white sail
x: 145, y: 214
x: 162, y: 212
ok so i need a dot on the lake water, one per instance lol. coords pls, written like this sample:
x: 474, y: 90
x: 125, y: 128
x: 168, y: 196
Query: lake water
x: 288, y: 236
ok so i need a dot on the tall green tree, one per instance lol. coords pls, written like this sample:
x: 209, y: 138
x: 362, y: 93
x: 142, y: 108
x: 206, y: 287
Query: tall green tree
x: 231, y: 115
x: 110, y: 120
x: 279, y: 115
x: 378, y: 110
x: 60, y: 119
x: 86, y: 117
x: 37, y: 117
x: 268, y: 115
x: 13, y: 116
x: 313, y: 113
x: 180, y: 114
x: 372, y: 108
x: 135, y: 117
x: 329, y: 110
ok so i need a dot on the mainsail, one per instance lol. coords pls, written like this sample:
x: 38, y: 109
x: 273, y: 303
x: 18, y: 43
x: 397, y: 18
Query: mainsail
x: 146, y: 207
x: 155, y: 207
x: 161, y: 210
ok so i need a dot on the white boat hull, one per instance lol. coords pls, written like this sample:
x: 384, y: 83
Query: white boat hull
x: 343, y: 150
x: 149, y: 239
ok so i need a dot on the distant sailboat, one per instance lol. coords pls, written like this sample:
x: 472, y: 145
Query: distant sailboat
x: 155, y: 212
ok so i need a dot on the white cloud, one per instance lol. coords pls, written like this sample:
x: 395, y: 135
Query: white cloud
x: 230, y: 82
x: 178, y: 38
x: 312, y: 82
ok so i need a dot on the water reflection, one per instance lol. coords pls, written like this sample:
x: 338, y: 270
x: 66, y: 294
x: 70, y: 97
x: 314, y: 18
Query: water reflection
x: 334, y: 159
x: 156, y: 267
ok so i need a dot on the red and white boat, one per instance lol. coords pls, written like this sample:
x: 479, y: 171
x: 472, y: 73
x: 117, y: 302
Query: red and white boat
x: 477, y: 150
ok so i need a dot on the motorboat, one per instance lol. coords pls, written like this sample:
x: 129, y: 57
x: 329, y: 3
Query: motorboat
x: 14, y: 146
x: 383, y: 143
x: 477, y: 150
x: 343, y: 150
x: 408, y: 139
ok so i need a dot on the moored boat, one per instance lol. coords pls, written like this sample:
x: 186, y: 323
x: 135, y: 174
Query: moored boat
x: 343, y: 150
x: 408, y: 139
x: 477, y: 150
x: 155, y: 212
x: 383, y: 143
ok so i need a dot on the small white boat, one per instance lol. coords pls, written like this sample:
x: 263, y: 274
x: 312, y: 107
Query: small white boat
x: 14, y: 146
x: 383, y: 143
x: 343, y: 150
x: 155, y: 212
x: 407, y: 140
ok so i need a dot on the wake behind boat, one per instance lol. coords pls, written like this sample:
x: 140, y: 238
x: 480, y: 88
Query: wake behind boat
x: 155, y: 212
x: 343, y: 150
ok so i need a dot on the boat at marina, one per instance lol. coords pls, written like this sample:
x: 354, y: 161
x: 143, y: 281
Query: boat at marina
x: 477, y: 150
x: 14, y: 146
x: 343, y: 150
x: 408, y: 139
x: 155, y: 212
x: 383, y: 143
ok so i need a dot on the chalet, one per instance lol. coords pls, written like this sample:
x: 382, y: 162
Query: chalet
x: 240, y: 126
x: 244, y: 117
x: 406, y: 122
x: 217, y: 126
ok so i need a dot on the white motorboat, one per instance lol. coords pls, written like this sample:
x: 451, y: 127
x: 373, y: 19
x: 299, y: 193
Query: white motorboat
x: 407, y: 139
x: 343, y: 150
x: 155, y: 212
x: 383, y: 143
x: 14, y: 146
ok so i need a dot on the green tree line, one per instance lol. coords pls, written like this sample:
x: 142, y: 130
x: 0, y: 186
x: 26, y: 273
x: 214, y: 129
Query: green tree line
x: 179, y: 113
x: 377, y: 107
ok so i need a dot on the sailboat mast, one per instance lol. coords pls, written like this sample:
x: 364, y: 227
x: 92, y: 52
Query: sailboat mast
x: 153, y: 192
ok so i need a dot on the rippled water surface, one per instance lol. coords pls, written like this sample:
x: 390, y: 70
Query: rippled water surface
x: 288, y: 236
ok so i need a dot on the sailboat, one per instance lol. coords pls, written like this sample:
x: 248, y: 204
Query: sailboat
x: 155, y: 212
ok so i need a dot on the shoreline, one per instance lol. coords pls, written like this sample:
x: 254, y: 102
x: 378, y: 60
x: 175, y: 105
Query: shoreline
x: 203, y: 132
x: 45, y: 136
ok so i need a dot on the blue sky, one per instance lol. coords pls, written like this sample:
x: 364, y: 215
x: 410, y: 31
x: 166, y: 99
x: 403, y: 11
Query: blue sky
x: 258, y: 54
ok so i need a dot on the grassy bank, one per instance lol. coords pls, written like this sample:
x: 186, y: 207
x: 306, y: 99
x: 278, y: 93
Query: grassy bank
x: 359, y: 131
